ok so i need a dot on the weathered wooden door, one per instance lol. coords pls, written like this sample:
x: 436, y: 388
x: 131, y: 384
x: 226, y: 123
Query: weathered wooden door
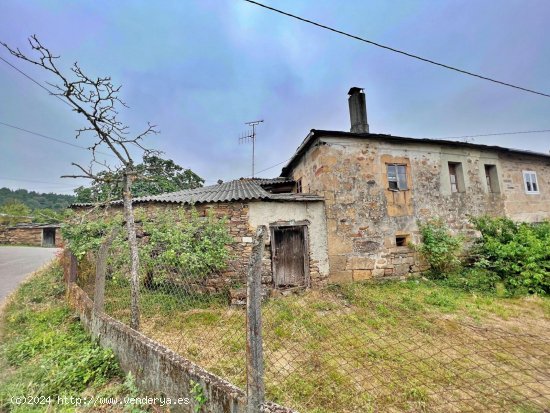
x: 289, y: 255
x: 48, y: 237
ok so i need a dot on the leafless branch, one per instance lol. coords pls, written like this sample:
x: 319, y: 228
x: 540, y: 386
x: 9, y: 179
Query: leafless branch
x: 96, y: 99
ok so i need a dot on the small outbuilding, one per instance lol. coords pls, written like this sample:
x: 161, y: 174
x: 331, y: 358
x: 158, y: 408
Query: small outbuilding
x: 36, y: 235
x: 296, y: 246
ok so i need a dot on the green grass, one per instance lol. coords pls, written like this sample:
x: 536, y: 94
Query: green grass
x: 162, y: 301
x: 414, y: 346
x: 46, y: 353
x: 405, y: 346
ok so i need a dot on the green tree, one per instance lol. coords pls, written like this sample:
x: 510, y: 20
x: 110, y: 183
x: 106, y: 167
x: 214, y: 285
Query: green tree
x: 50, y: 216
x: 36, y: 200
x: 154, y: 176
x: 14, y: 212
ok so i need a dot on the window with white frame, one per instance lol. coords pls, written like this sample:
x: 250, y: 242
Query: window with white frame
x: 531, y: 183
x: 397, y: 177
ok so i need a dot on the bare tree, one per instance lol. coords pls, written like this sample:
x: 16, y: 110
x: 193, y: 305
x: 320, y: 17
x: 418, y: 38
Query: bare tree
x: 98, y: 101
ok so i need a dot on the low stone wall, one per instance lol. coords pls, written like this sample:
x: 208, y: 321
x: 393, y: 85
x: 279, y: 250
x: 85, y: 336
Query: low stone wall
x: 26, y: 236
x: 157, y: 369
x: 21, y: 236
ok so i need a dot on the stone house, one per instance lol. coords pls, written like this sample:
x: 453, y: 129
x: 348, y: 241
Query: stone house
x: 36, y: 235
x: 347, y: 204
x: 377, y: 187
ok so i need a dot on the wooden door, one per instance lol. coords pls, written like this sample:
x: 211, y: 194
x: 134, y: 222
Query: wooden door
x: 48, y: 237
x: 289, y: 255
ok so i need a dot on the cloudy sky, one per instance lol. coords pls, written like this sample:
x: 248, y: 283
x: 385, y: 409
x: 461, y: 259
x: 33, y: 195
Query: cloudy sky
x: 200, y: 69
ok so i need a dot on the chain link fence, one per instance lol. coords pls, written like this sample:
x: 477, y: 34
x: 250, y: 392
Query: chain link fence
x: 347, y: 348
x: 342, y: 350
x: 184, y: 300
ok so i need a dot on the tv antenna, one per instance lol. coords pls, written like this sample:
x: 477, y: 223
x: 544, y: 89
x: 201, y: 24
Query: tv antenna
x: 250, y: 136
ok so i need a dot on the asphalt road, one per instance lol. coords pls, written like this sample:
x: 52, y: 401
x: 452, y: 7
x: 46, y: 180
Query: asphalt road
x: 17, y: 262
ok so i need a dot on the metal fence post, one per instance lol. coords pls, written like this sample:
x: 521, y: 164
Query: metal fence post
x: 254, y: 351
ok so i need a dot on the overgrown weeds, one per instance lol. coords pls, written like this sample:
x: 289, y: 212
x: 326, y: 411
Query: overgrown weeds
x: 45, y: 352
x: 509, y: 258
x: 517, y: 253
x: 416, y: 345
x: 169, y: 241
x: 439, y: 247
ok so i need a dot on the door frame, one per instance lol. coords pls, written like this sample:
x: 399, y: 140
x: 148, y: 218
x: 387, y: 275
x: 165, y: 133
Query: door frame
x: 44, y: 237
x: 304, y: 226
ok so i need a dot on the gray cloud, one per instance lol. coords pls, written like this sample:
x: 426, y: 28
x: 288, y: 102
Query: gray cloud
x: 201, y: 69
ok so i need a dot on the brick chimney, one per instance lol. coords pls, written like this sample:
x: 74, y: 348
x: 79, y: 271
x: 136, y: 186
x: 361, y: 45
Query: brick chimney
x: 358, y: 110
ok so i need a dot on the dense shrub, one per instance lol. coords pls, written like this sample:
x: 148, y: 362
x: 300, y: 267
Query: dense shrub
x: 439, y: 248
x: 518, y: 253
x: 85, y: 234
x: 185, y: 243
x: 473, y: 280
x: 172, y: 243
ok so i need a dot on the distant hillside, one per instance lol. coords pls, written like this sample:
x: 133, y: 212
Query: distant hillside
x: 36, y: 200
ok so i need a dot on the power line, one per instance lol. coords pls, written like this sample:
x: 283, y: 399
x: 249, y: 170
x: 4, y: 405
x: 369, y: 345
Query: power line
x: 50, y: 138
x: 450, y: 137
x: 42, y: 136
x: 36, y: 82
x: 53, y: 94
x: 273, y: 166
x: 397, y: 50
x: 497, y: 134
x: 212, y: 181
x: 36, y: 182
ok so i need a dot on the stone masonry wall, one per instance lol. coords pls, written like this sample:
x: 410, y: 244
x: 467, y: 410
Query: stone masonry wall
x: 26, y: 236
x: 364, y: 217
x: 21, y: 236
x: 242, y: 230
x: 518, y: 204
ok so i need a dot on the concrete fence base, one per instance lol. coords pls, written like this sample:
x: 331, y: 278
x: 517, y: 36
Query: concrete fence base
x: 158, y: 370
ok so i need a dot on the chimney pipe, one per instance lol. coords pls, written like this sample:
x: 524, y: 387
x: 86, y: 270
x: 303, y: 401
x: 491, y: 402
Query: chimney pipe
x: 358, y: 110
